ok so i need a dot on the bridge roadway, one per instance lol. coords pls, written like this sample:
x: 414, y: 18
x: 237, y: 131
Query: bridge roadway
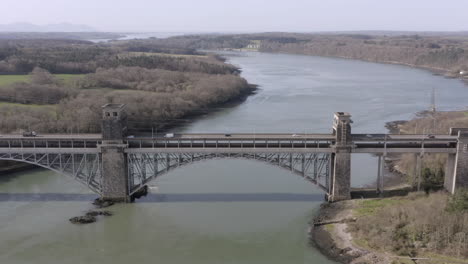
x: 236, y: 143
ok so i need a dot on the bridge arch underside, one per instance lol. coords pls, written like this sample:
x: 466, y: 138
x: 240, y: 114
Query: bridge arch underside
x: 84, y: 167
x: 144, y: 167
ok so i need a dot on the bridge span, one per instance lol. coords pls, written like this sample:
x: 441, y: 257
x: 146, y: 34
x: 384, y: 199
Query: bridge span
x: 118, y: 167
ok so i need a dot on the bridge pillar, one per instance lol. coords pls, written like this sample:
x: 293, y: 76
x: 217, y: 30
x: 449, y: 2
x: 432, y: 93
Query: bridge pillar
x: 114, y: 159
x: 340, y: 184
x: 456, y: 173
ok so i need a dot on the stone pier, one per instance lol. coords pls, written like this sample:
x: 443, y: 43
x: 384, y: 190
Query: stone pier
x: 340, y: 187
x: 114, y: 160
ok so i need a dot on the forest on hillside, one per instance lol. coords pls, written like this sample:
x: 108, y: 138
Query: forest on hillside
x: 159, y: 84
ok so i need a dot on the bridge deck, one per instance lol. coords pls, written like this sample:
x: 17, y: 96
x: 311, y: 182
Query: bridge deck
x: 235, y: 143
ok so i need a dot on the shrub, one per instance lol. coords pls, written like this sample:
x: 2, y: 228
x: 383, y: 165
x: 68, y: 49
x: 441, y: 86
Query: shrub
x: 458, y: 202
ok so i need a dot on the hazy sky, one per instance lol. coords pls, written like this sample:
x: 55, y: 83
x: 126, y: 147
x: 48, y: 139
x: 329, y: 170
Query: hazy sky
x: 243, y: 15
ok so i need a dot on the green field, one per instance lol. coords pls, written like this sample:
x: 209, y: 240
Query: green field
x: 10, y: 79
x: 12, y: 108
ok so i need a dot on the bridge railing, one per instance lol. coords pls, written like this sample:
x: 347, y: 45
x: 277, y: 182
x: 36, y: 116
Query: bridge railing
x: 48, y: 143
x: 227, y: 143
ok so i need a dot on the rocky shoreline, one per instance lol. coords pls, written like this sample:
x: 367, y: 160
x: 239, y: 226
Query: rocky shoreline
x: 334, y: 241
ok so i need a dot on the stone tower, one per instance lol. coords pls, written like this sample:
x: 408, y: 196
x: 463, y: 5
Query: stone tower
x: 340, y: 187
x: 114, y: 159
x: 114, y: 122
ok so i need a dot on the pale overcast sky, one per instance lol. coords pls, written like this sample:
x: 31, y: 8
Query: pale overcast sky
x: 243, y: 15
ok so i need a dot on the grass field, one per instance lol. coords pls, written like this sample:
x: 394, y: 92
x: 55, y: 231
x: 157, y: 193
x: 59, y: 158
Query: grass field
x: 371, y: 206
x: 12, y: 108
x: 10, y: 79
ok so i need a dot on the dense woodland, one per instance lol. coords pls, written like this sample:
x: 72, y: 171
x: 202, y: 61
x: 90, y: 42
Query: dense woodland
x: 160, y: 84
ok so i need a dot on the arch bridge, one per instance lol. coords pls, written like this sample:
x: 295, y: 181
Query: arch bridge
x: 118, y: 167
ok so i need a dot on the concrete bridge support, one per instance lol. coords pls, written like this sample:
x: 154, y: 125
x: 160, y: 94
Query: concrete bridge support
x: 456, y: 173
x: 114, y: 160
x: 340, y: 187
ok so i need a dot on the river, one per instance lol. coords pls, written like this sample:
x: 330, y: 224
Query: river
x: 223, y: 211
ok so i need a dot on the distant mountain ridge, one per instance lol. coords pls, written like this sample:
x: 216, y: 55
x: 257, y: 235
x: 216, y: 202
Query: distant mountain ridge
x: 60, y: 27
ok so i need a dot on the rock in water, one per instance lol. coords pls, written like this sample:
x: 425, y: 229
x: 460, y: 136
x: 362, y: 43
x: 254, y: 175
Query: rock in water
x: 100, y: 203
x: 96, y: 213
x: 87, y: 219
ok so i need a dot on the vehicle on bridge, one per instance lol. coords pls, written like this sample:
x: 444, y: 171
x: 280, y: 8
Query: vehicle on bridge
x: 29, y: 134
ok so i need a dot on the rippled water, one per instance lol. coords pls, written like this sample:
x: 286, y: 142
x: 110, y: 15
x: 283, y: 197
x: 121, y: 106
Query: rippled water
x: 223, y: 211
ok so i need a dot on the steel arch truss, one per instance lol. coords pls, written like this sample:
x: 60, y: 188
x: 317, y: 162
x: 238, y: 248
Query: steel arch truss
x: 83, y: 167
x: 145, y: 167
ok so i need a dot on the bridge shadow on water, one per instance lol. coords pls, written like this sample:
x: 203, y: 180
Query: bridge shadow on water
x: 168, y: 197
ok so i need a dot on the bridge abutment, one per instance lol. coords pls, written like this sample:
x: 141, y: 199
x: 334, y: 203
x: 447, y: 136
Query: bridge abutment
x: 114, y: 160
x: 340, y: 183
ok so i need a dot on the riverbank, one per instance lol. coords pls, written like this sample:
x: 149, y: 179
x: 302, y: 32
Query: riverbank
x: 334, y: 241
x: 379, y: 234
x: 367, y: 239
x: 193, y: 117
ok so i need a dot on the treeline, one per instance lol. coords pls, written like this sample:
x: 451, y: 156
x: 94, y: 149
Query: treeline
x: 206, y: 42
x: 447, y: 53
x: 440, y: 53
x: 81, y: 57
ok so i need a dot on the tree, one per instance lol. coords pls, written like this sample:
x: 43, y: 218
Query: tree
x: 41, y: 76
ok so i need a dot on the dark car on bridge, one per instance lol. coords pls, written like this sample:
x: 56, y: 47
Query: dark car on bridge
x: 29, y: 134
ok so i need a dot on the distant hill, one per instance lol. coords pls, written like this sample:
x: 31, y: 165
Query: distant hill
x: 61, y: 27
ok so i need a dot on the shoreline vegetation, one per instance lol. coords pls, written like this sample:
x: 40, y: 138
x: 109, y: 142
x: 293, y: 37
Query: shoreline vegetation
x: 421, y: 227
x: 417, y: 228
